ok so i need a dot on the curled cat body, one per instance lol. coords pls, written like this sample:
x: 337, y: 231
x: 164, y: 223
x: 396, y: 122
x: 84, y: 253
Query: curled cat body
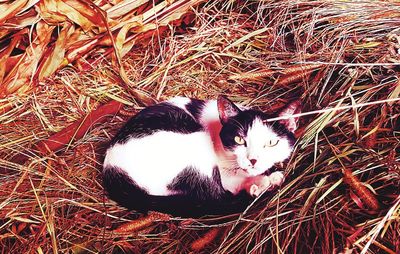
x: 190, y: 157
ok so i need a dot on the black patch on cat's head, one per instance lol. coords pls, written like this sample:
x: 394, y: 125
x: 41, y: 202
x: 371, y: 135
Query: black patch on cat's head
x: 237, y: 125
x: 282, y: 131
x: 238, y: 122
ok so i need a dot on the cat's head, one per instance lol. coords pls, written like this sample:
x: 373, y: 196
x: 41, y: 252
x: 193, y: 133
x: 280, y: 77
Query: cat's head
x: 256, y: 143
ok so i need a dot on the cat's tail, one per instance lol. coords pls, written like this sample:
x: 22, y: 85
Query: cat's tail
x: 122, y: 189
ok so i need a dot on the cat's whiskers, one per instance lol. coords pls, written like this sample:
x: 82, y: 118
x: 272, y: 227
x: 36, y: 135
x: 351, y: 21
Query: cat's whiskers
x: 235, y: 168
x: 229, y: 160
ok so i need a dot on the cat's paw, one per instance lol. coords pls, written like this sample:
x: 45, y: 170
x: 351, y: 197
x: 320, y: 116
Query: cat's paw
x: 254, y: 191
x: 277, y: 178
x: 259, y: 186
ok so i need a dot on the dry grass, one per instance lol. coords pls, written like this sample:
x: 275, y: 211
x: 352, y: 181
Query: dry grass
x: 339, y: 57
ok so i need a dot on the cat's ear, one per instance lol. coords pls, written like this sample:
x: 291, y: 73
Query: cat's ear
x: 226, y: 108
x: 291, y: 123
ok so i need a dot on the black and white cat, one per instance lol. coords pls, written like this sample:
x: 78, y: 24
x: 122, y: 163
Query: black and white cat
x: 192, y: 157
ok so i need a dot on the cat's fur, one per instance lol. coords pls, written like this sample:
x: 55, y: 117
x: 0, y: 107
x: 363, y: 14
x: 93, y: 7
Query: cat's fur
x: 182, y: 156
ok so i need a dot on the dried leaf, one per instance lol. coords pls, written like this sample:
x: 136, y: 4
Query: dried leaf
x: 54, y: 11
x: 21, y: 21
x: 48, y: 11
x: 56, y: 57
x: 74, y: 131
x: 78, y: 129
x: 90, y: 11
x: 124, y: 7
x: 9, y: 10
x: 81, y: 48
x: 121, y: 36
x: 5, y: 54
x: 21, y: 76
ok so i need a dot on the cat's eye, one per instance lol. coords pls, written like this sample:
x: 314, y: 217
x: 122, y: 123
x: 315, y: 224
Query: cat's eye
x: 271, y: 143
x: 239, y: 140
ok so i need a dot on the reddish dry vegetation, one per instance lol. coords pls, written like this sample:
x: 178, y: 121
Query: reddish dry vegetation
x: 71, y: 73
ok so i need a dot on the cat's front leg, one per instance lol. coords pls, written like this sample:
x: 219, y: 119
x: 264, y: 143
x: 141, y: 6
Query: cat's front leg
x: 263, y: 183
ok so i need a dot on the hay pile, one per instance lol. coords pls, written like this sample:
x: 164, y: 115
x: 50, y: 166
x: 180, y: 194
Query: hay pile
x: 341, y: 58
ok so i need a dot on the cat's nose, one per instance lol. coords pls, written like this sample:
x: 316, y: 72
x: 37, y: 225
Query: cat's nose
x: 253, y: 161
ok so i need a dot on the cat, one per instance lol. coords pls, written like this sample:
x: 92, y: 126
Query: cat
x: 195, y: 157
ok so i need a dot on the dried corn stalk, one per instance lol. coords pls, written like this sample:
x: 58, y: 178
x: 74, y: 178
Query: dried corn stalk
x: 54, y: 33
